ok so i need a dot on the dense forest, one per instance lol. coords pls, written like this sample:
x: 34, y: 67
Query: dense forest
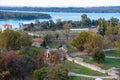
x: 111, y: 9
x: 16, y: 15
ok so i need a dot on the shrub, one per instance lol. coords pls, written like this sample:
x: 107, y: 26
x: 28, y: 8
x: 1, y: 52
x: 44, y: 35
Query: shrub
x: 40, y: 74
x: 98, y: 55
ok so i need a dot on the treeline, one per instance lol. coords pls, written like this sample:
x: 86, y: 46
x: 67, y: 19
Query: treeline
x: 85, y: 22
x: 18, y: 15
x: 111, y: 9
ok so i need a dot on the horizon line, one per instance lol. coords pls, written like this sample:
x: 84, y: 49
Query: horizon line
x: 62, y: 6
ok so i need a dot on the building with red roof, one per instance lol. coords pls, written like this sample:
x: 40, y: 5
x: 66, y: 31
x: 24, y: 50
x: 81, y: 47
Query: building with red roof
x: 37, y: 42
x: 6, y: 26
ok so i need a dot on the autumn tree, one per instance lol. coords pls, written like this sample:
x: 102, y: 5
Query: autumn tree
x: 20, y: 67
x: 88, y: 41
x: 66, y: 28
x: 80, y: 40
x: 94, y: 41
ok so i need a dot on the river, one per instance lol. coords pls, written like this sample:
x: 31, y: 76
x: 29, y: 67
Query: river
x: 61, y: 15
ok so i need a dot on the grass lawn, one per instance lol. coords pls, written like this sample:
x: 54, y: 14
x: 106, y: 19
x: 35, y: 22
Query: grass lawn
x: 112, y: 53
x: 41, y: 49
x: 83, y: 78
x: 79, y: 78
x: 54, y: 44
x: 109, y: 62
x: 73, y: 67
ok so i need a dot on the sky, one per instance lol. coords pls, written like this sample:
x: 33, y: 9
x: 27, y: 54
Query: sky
x: 60, y: 3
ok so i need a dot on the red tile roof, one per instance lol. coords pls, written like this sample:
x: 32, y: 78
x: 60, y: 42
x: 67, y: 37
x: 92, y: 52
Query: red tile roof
x: 39, y: 40
x: 6, y: 25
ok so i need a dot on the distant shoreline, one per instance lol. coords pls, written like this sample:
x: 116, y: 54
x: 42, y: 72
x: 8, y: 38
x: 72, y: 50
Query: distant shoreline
x: 110, y: 9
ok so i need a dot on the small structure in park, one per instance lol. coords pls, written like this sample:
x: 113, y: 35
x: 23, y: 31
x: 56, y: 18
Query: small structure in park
x: 37, y: 42
x: 63, y: 48
x: 6, y: 26
x: 53, y: 56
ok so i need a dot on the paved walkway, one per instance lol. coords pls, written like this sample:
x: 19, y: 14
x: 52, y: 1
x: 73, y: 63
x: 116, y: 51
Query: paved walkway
x: 87, y: 76
x: 113, y: 57
x: 111, y: 72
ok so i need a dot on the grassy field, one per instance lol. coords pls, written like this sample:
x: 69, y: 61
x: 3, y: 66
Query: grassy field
x: 109, y: 62
x: 112, y: 53
x: 73, y: 67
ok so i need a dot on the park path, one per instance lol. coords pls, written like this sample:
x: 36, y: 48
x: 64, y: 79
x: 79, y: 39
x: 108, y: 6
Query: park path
x: 111, y: 72
x: 88, y: 76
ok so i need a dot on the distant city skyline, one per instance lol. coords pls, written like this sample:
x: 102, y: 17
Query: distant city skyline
x: 60, y: 3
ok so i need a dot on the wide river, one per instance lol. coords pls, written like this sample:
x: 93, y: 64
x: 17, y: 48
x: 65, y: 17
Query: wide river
x: 63, y: 16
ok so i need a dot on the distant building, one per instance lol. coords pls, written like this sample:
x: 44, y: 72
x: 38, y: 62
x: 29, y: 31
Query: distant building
x: 6, y: 26
x: 78, y: 30
x: 24, y: 25
x: 37, y: 42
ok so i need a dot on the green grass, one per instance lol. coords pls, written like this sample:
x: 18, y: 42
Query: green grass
x: 79, y: 78
x: 54, y: 44
x: 112, y: 53
x: 40, y: 49
x: 110, y: 62
x: 107, y: 64
x: 70, y: 49
x: 73, y: 67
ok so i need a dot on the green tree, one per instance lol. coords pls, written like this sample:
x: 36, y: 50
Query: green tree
x: 85, y: 20
x: 98, y: 55
x: 57, y: 35
x: 40, y: 74
x: 10, y: 40
x: 25, y: 39
x: 58, y: 72
x: 114, y: 21
x: 59, y: 24
x: 51, y: 25
x: 118, y: 47
x: 102, y: 26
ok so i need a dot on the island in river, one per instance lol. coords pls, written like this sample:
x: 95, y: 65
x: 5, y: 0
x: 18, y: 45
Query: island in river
x: 24, y: 16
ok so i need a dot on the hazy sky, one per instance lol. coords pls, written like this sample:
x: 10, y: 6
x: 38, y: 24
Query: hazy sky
x: 60, y: 3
